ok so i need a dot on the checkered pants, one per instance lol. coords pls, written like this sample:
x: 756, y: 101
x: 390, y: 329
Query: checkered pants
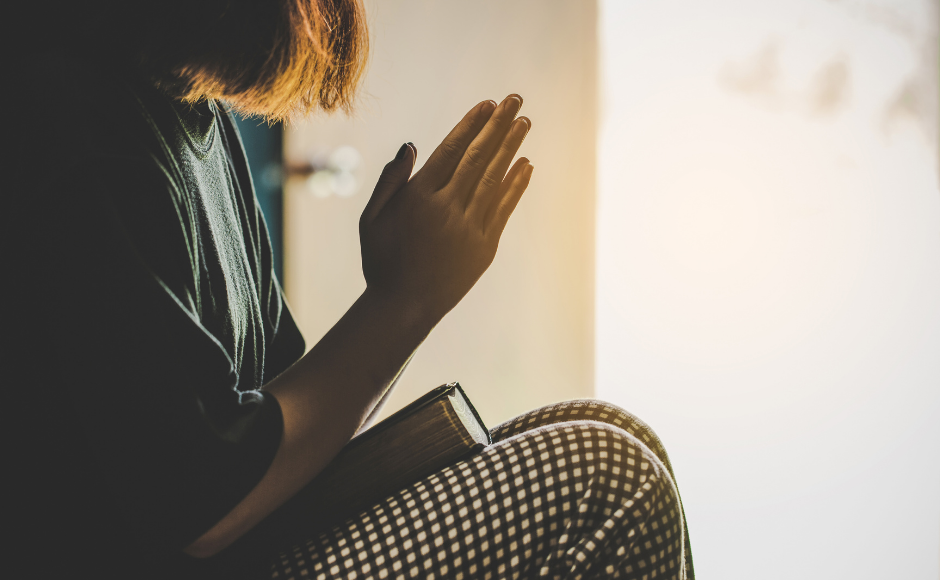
x: 575, y: 490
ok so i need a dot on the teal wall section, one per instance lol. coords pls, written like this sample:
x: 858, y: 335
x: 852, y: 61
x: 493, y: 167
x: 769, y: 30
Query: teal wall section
x: 264, y: 146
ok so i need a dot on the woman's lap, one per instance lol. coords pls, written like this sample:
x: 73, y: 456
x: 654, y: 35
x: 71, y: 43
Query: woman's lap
x: 565, y: 491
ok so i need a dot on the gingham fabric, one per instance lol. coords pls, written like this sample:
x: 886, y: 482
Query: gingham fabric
x: 575, y: 490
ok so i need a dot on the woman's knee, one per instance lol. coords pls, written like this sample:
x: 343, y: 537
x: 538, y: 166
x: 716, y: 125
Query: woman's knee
x: 570, y: 457
x: 591, y: 410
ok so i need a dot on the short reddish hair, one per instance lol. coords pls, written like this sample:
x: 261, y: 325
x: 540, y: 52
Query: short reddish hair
x: 275, y: 59
x: 313, y: 58
x: 311, y: 55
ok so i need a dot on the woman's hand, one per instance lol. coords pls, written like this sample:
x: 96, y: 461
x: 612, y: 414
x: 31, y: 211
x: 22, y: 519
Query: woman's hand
x: 427, y: 240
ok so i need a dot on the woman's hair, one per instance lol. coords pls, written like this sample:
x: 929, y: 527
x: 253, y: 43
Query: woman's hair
x: 275, y: 59
x: 312, y: 55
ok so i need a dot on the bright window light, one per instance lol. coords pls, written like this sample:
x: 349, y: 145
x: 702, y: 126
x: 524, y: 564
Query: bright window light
x: 768, y: 274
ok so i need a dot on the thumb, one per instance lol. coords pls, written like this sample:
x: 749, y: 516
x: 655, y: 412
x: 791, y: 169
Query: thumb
x: 394, y: 176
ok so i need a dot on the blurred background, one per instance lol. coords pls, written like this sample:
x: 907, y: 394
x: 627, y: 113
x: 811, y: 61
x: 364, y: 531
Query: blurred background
x: 733, y: 231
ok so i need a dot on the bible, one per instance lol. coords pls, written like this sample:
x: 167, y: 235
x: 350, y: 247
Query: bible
x: 436, y: 430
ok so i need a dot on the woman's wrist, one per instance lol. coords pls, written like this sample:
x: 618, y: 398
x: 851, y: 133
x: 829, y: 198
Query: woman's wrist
x: 410, y: 314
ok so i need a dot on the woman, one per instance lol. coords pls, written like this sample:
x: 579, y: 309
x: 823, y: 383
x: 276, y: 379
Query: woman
x: 168, y: 407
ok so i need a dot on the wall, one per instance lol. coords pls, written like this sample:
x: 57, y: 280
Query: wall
x: 769, y: 274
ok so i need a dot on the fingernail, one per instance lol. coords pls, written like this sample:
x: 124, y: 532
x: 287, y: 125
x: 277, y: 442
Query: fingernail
x: 486, y: 107
x: 401, y: 152
x: 527, y: 172
x: 515, y: 96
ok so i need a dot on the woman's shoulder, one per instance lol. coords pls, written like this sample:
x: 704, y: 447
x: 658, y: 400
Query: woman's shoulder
x: 74, y: 99
x: 73, y: 114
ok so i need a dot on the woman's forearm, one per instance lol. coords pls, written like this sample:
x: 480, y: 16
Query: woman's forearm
x: 377, y: 409
x: 325, y: 397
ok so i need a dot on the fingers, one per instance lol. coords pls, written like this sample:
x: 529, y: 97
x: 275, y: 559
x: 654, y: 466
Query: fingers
x: 488, y: 187
x: 394, y: 176
x: 510, y: 192
x: 480, y: 151
x: 444, y: 160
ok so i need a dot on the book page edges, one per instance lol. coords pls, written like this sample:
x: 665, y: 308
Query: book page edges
x: 472, y: 428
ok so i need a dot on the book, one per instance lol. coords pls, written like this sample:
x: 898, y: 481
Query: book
x: 437, y: 430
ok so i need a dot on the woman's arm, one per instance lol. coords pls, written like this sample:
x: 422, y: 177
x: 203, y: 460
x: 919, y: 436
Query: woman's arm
x: 377, y: 409
x: 425, y: 241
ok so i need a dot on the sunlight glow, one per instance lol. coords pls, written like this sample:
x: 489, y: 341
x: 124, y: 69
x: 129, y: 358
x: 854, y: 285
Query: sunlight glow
x: 768, y: 274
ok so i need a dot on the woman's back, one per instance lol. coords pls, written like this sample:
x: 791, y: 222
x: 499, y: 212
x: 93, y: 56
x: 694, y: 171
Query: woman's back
x: 149, y: 317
